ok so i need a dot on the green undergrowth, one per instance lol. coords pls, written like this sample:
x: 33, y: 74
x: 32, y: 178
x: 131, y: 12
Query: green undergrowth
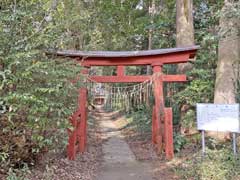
x: 37, y: 95
x: 216, y: 164
x: 140, y: 119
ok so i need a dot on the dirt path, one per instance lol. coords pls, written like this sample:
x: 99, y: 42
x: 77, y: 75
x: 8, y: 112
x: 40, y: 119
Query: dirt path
x: 119, y: 161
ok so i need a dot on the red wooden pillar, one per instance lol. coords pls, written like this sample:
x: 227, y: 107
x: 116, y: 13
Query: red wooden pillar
x: 159, y: 106
x: 154, y: 129
x: 71, y: 150
x: 82, y: 130
x: 120, y: 70
x: 168, y: 134
x: 79, y: 123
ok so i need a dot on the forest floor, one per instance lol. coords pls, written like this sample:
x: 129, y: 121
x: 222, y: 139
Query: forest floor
x: 115, y: 152
x: 58, y: 167
x: 119, y: 150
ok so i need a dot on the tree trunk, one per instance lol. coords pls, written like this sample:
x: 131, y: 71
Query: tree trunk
x: 184, y: 37
x: 228, y: 54
x: 151, y: 11
x: 185, y: 30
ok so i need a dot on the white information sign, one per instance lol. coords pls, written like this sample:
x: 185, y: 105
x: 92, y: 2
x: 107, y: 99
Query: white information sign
x: 218, y: 117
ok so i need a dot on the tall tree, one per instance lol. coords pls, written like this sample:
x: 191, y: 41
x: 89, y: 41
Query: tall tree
x: 228, y: 53
x: 184, y: 37
x: 151, y: 11
x: 185, y: 30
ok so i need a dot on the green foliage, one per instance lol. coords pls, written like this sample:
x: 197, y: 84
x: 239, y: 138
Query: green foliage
x: 15, y: 174
x: 217, y: 165
x: 36, y: 95
x: 140, y: 119
x: 179, y: 142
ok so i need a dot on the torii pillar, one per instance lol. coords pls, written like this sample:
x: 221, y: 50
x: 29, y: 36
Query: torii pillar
x: 162, y: 128
x: 82, y: 101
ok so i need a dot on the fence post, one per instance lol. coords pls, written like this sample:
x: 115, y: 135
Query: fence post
x: 71, y: 150
x: 168, y: 134
x: 154, y: 129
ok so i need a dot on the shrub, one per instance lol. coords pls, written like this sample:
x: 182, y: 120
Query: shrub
x: 36, y: 95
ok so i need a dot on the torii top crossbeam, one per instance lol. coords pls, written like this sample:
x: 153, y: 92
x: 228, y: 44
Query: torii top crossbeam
x: 116, y: 58
x: 120, y: 59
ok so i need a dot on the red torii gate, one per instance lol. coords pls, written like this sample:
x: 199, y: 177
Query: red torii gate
x: 162, y: 128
